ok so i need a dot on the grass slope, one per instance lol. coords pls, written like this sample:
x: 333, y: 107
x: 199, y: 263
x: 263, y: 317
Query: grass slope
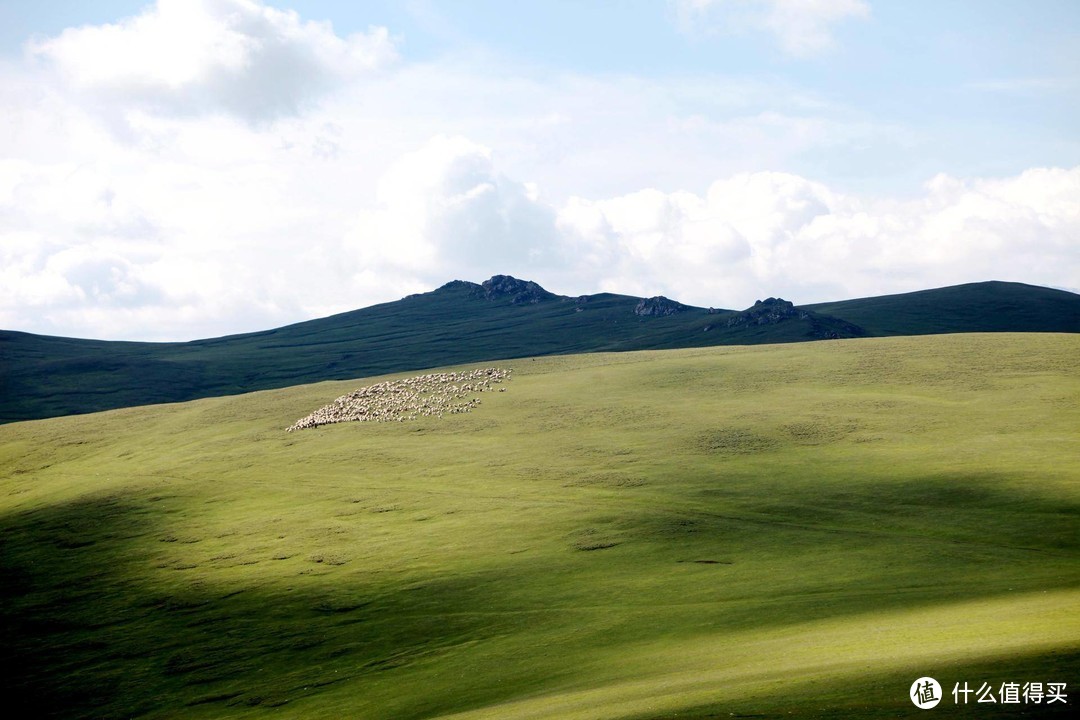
x: 773, y: 531
x: 48, y: 376
x: 975, y: 307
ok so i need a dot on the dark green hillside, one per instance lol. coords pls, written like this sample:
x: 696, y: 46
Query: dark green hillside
x: 460, y: 322
x: 975, y: 307
x: 466, y: 322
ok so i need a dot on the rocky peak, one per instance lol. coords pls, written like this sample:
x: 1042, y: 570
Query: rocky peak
x: 772, y: 311
x: 520, y: 292
x: 767, y: 312
x: 659, y: 306
x: 459, y: 285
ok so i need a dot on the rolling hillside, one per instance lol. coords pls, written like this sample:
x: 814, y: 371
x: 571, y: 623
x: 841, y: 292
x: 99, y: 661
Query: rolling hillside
x: 793, y: 530
x: 976, y: 307
x: 465, y: 322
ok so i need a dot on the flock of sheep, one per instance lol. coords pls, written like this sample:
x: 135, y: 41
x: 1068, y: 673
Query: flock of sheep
x: 399, y: 400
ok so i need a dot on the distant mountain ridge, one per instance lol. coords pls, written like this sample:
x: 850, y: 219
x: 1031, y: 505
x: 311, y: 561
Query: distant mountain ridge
x: 461, y: 322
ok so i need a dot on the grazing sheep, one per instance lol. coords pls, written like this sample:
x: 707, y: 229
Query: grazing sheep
x: 399, y: 400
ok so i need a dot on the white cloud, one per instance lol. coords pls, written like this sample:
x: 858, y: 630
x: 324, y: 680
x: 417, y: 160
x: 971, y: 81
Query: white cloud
x: 759, y: 234
x: 444, y: 210
x: 204, y: 56
x: 203, y: 218
x: 802, y: 28
x: 223, y: 238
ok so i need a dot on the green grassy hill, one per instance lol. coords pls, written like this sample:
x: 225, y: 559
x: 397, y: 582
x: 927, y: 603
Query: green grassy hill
x: 977, y: 307
x: 772, y: 531
x: 465, y: 322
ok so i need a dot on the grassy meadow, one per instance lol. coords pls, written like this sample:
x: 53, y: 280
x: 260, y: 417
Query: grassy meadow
x: 770, y: 531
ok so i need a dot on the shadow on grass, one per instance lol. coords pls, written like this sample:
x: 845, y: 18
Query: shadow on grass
x: 831, y: 551
x: 91, y: 630
x: 92, y: 627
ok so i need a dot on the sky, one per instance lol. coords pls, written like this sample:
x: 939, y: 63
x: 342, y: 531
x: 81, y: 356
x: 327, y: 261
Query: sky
x: 183, y: 169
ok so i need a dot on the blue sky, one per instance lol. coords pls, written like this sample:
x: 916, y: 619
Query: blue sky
x: 162, y: 158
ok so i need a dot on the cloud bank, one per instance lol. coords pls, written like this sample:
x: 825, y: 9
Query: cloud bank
x: 134, y: 263
x: 158, y: 185
x: 203, y: 56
